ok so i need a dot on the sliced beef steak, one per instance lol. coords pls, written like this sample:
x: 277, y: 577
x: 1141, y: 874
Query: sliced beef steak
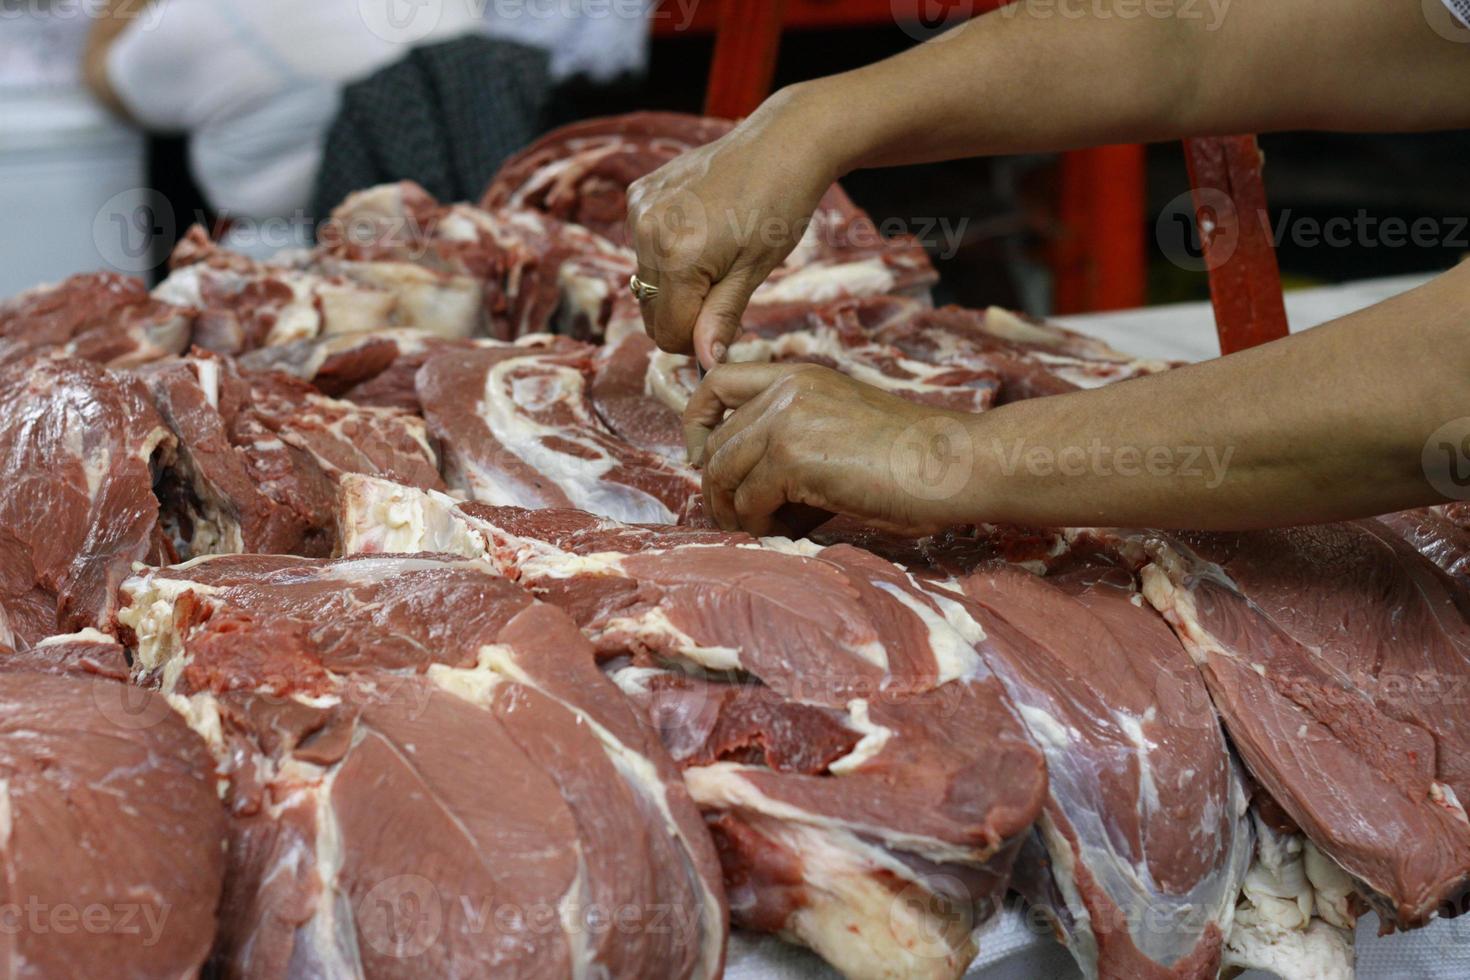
x: 101, y: 317
x: 518, y: 429
x: 862, y: 770
x: 78, y: 507
x: 1337, y: 657
x: 259, y: 456
x: 420, y: 794
x: 111, y: 833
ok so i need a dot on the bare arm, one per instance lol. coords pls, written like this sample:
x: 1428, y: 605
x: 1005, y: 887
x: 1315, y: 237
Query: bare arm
x: 1024, y: 80
x: 1015, y: 81
x: 1330, y: 424
x: 115, y: 17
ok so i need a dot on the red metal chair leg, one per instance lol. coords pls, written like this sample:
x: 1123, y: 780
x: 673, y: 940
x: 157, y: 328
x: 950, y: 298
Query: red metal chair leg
x: 1100, y: 261
x: 1235, y: 233
x: 745, y: 57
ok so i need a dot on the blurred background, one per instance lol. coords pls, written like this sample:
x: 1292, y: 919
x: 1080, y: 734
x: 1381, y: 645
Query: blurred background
x: 82, y: 186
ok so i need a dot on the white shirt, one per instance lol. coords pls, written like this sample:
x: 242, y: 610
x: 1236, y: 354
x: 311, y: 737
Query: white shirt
x: 256, y: 83
x: 1461, y: 10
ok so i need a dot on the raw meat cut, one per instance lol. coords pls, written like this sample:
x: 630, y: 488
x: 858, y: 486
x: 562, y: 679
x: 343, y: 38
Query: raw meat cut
x: 88, y: 653
x: 1337, y: 658
x: 78, y: 508
x: 378, y: 367
x: 245, y: 304
x: 1145, y: 837
x: 420, y: 794
x: 1441, y: 534
x: 861, y: 769
x: 581, y: 173
x: 111, y: 833
x: 258, y: 456
x: 516, y: 256
x: 640, y: 392
x: 1032, y: 359
x: 518, y: 429
x: 101, y: 317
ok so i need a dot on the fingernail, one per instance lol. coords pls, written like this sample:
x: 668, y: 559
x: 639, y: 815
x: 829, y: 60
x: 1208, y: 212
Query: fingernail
x: 717, y: 351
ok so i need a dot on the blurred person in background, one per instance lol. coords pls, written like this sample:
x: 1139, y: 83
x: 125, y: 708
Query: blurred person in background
x: 255, y: 85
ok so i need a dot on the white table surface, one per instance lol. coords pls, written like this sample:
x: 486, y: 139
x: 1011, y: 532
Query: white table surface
x: 1009, y: 949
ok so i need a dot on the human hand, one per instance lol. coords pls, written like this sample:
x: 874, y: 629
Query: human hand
x: 806, y: 435
x: 710, y: 225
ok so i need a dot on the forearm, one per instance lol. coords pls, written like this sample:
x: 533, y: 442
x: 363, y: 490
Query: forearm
x: 1016, y: 81
x: 115, y: 17
x: 1326, y: 425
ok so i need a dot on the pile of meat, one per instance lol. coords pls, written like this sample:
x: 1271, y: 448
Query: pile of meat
x: 357, y: 620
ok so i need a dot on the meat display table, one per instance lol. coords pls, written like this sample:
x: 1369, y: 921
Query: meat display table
x: 1012, y: 948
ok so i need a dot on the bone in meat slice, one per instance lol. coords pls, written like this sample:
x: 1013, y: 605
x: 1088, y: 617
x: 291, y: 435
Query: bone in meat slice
x: 101, y: 317
x: 111, y: 834
x: 259, y: 455
x: 1331, y: 654
x: 78, y: 507
x: 871, y: 858
x: 518, y: 429
x: 1145, y: 832
x: 480, y: 777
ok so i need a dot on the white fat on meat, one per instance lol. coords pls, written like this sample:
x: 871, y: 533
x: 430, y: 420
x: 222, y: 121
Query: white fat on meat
x: 952, y: 632
x: 442, y: 305
x: 854, y: 918
x: 150, y: 615
x: 723, y: 786
x: 825, y: 283
x: 870, y: 746
x: 1275, y: 928
x: 504, y: 407
x: 6, y: 820
x: 381, y: 517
